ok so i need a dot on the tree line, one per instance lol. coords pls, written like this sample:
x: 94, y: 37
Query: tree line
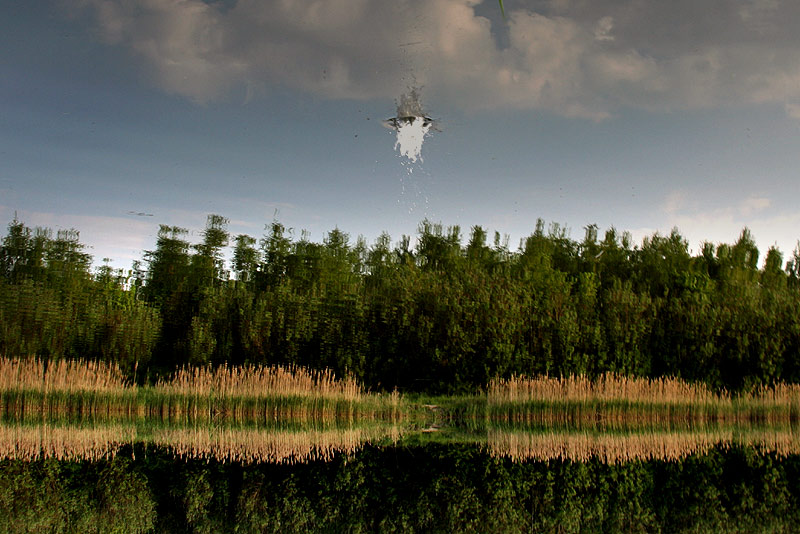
x: 439, y: 314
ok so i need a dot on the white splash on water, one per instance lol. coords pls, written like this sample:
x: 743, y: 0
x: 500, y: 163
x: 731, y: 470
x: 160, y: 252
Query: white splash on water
x: 410, y: 136
x: 412, y: 125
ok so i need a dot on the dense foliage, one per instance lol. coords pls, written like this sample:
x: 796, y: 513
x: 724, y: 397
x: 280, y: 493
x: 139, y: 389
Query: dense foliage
x: 425, y: 489
x: 441, y: 315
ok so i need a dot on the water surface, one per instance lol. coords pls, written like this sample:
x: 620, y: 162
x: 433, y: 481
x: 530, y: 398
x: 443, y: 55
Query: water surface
x: 156, y: 476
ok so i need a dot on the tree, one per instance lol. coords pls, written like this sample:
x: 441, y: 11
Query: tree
x: 208, y: 265
x: 167, y: 265
x: 245, y: 258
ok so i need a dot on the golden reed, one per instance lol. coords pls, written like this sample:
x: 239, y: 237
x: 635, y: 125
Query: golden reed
x: 257, y: 381
x: 615, y: 396
x: 607, y: 387
x: 69, y: 376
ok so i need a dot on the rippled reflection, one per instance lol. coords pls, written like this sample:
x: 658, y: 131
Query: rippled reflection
x: 289, y: 443
x: 71, y: 441
x: 615, y: 448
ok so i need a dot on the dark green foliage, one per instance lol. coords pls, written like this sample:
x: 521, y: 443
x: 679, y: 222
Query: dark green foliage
x: 52, y: 496
x: 436, y: 488
x: 53, y: 307
x: 433, y: 314
x: 245, y: 258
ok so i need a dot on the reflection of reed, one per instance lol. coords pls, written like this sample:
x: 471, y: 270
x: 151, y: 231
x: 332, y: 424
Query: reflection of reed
x: 620, y: 448
x: 248, y: 445
x: 63, y: 442
x: 257, y: 446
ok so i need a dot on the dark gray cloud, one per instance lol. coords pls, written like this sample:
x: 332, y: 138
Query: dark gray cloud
x: 583, y: 58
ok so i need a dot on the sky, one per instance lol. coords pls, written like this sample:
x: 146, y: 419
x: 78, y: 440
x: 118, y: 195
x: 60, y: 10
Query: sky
x: 117, y: 116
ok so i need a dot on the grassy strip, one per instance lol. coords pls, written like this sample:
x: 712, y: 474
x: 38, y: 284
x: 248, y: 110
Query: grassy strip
x: 17, y: 402
x: 152, y: 402
x: 576, y: 412
x: 418, y: 410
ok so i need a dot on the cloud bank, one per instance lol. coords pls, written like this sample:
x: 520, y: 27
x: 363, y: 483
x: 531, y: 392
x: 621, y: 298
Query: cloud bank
x: 724, y: 223
x: 572, y: 57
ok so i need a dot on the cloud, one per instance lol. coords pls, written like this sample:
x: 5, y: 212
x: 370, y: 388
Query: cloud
x: 723, y: 224
x: 758, y: 13
x: 793, y: 110
x: 675, y: 202
x: 122, y: 239
x: 585, y: 59
x: 602, y: 32
x: 753, y: 205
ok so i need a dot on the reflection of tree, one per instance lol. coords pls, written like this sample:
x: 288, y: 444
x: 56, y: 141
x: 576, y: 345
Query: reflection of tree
x: 53, y: 496
x: 439, y: 315
x: 430, y: 489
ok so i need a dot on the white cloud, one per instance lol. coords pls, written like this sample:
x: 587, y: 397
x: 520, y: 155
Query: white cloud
x: 793, y: 110
x: 602, y: 31
x: 724, y: 224
x: 582, y: 59
x: 675, y: 202
x: 758, y: 13
x: 753, y: 205
x: 122, y: 239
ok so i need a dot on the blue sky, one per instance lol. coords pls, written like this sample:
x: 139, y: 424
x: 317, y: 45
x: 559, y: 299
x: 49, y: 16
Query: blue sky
x: 621, y: 113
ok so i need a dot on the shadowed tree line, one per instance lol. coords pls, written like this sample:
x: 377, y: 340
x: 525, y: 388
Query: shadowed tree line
x: 441, y: 315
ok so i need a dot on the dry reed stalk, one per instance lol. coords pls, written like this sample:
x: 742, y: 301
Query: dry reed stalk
x: 270, y: 446
x: 608, y: 387
x: 778, y: 395
x: 63, y: 442
x: 258, y: 381
x: 65, y: 375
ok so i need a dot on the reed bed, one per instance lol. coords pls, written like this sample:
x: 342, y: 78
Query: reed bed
x: 70, y: 386
x: 771, y: 401
x: 620, y: 448
x: 68, y: 376
x: 258, y: 381
x: 32, y: 385
x: 261, y: 393
x: 254, y: 392
x: 607, y: 387
x: 611, y: 396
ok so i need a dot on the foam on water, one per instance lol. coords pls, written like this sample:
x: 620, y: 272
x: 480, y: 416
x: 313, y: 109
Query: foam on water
x: 412, y: 124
